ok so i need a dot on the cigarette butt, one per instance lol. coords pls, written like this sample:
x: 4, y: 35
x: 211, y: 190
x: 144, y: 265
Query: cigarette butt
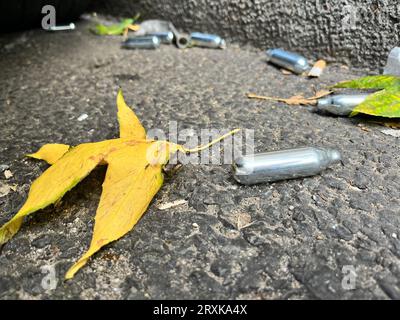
x: 317, y: 69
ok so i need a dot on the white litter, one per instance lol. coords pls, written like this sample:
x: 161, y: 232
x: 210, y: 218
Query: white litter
x: 83, y: 117
x: 172, y: 204
x: 5, y: 189
x: 391, y: 132
x: 8, y: 174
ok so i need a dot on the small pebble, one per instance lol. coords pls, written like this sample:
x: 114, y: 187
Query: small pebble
x: 83, y: 117
x: 5, y: 189
x: 394, y: 235
x: 291, y: 208
x: 195, y: 225
x: 8, y: 174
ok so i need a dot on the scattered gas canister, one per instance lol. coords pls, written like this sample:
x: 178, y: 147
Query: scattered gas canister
x: 341, y: 104
x: 207, y: 40
x: 283, y: 165
x: 393, y: 63
x: 165, y: 37
x: 288, y: 60
x: 142, y: 42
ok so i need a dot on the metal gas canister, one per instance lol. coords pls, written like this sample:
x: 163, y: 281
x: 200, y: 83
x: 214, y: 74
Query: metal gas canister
x: 283, y: 164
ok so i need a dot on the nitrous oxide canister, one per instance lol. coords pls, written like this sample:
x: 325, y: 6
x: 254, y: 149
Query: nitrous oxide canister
x: 288, y: 60
x: 142, y: 42
x: 341, y: 104
x: 165, y: 37
x: 207, y: 40
x: 283, y: 164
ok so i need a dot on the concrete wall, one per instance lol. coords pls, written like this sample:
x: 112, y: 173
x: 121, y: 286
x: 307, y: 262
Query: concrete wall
x: 358, y: 33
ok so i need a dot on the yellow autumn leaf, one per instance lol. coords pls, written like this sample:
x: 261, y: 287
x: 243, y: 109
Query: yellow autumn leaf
x: 129, y: 124
x: 130, y: 184
x: 50, y: 152
x: 134, y: 176
x: 61, y: 177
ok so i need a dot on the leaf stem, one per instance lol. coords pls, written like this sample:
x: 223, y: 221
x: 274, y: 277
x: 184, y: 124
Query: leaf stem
x: 256, y: 96
x: 203, y: 147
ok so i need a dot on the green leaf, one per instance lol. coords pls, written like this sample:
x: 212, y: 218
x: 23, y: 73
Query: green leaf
x: 115, y: 29
x: 385, y: 103
x: 371, y: 82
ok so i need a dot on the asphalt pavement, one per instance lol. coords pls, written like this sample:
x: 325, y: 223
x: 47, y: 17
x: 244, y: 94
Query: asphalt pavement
x: 298, y: 239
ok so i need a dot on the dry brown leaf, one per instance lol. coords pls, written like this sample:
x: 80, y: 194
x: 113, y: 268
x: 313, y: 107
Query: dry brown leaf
x: 321, y: 94
x: 391, y: 124
x: 387, y: 124
x: 363, y: 128
x: 243, y: 220
x: 295, y: 100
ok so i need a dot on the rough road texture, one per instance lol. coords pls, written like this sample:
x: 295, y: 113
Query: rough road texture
x: 360, y: 33
x: 285, y: 240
